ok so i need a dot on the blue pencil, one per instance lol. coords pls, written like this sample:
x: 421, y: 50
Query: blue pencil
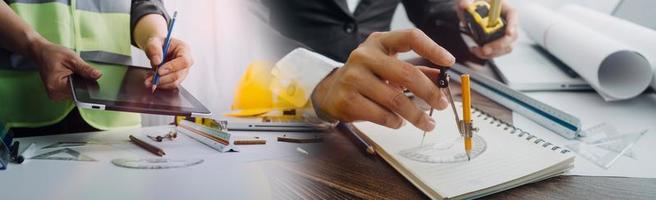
x: 167, y: 43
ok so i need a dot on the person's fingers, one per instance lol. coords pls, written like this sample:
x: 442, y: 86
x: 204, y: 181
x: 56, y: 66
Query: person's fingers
x: 431, y: 73
x: 394, y: 100
x: 149, y: 81
x: 495, y: 48
x: 175, y: 65
x: 58, y: 87
x: 405, y: 74
x: 153, y: 50
x: 512, y: 20
x: 414, y: 39
x: 78, y: 66
x: 172, y: 80
x: 358, y: 107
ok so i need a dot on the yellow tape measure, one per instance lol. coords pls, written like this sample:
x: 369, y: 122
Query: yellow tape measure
x: 484, y: 22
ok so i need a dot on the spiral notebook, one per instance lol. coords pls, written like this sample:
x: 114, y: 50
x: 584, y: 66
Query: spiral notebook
x: 504, y: 156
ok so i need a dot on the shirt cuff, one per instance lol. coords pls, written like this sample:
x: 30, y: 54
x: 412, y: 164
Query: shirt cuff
x: 308, y: 69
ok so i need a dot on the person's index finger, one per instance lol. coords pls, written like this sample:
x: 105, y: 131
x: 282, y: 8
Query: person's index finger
x: 420, y: 43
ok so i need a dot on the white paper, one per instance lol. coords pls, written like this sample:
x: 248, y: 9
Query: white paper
x: 615, y: 70
x: 641, y: 38
x: 627, y: 116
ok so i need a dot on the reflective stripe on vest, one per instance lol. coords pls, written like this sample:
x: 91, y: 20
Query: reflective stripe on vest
x: 99, y: 30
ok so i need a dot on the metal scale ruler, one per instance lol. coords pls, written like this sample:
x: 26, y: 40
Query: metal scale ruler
x: 551, y: 118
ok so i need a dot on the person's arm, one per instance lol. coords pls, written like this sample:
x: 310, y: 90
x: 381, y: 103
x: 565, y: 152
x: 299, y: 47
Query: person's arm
x: 17, y: 36
x: 55, y: 63
x: 149, y: 29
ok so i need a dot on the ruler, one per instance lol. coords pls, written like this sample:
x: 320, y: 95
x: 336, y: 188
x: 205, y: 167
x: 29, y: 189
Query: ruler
x: 551, y: 118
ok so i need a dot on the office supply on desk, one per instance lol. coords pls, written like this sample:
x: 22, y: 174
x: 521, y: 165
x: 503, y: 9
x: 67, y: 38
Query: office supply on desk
x: 216, y: 139
x: 303, y: 139
x: 63, y: 154
x: 167, y: 43
x: 131, y: 94
x: 155, y: 163
x: 630, y: 116
x: 146, y: 146
x: 504, y: 157
x: 159, y: 138
x: 604, y: 152
x: 249, y: 141
x: 467, y: 127
x: 270, y: 123
x: 556, y: 120
x: 615, y: 69
x: 484, y: 22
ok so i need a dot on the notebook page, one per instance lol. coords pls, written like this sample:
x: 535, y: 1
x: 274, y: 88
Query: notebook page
x: 507, y: 157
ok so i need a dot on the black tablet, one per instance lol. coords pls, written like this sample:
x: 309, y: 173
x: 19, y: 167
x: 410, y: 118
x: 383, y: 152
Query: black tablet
x: 122, y: 88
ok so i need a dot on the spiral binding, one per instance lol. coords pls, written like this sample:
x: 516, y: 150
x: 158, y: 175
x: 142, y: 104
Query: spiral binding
x: 478, y: 113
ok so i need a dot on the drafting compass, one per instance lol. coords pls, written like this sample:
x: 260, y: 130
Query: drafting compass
x: 465, y: 127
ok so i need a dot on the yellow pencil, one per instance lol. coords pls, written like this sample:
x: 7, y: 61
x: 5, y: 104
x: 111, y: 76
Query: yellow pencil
x: 466, y: 111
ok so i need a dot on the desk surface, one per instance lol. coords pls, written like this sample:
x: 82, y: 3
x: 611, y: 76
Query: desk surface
x: 343, y: 169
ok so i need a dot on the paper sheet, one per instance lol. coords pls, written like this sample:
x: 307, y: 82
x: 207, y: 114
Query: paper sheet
x: 628, y: 116
x: 641, y: 38
x: 615, y: 70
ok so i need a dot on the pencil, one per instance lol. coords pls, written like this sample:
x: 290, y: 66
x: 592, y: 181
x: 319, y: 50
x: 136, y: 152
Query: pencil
x: 148, y: 147
x: 466, y: 111
x: 167, y: 43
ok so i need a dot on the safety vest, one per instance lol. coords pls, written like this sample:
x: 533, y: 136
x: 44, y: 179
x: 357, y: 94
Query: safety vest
x: 98, y: 30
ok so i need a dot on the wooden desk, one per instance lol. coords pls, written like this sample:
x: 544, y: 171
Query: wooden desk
x: 342, y: 169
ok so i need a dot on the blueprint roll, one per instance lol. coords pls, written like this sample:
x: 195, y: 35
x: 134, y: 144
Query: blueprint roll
x: 615, y: 70
x: 639, y: 37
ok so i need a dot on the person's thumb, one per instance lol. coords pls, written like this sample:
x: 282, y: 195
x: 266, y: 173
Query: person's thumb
x: 85, y: 70
x: 153, y: 51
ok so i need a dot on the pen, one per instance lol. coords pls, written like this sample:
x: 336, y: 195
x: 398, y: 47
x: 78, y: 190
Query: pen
x: 466, y: 111
x: 167, y: 43
x: 148, y: 147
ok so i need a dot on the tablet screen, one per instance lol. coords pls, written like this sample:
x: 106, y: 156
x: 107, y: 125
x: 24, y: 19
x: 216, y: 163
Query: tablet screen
x: 122, y: 88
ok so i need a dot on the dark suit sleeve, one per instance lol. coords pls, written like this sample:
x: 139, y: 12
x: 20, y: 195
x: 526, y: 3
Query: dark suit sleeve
x: 439, y: 20
x: 142, y: 8
x: 261, y: 9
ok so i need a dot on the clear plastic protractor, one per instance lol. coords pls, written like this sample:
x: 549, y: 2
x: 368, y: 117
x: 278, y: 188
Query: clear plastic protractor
x: 451, y: 151
x: 155, y: 163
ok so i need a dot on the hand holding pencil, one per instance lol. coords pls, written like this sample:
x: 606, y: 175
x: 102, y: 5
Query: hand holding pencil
x: 170, y: 59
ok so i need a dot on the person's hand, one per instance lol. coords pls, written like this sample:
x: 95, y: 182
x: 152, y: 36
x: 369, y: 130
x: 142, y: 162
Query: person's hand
x: 56, y: 64
x: 370, y: 84
x: 177, y: 64
x: 502, y: 45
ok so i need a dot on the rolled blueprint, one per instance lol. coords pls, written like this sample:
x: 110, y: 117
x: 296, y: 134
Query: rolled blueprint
x: 615, y: 70
x: 641, y: 38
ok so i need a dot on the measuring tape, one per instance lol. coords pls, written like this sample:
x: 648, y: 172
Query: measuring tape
x: 551, y: 118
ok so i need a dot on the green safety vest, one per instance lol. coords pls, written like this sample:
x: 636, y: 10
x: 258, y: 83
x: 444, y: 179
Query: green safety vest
x: 98, y: 30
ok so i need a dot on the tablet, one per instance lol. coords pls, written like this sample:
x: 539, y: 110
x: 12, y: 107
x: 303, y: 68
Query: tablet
x: 122, y: 88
